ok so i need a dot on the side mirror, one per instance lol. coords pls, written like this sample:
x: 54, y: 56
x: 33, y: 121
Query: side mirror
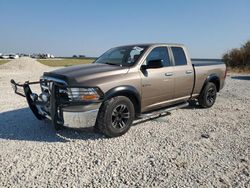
x: 144, y: 67
x: 153, y: 64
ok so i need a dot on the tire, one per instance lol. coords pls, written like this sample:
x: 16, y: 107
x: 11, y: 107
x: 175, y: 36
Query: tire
x: 208, y: 95
x: 115, y: 116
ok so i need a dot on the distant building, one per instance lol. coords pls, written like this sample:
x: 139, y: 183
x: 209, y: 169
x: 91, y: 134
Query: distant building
x: 13, y: 56
x: 42, y: 56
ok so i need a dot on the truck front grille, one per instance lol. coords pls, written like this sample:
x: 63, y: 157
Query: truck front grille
x: 46, y: 86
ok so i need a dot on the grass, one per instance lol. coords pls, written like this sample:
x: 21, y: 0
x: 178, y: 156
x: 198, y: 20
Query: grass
x: 2, y: 61
x: 65, y: 62
x: 245, y: 70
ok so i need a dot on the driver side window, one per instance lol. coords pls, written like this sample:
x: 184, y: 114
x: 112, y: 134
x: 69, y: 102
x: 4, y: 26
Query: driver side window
x: 159, y: 53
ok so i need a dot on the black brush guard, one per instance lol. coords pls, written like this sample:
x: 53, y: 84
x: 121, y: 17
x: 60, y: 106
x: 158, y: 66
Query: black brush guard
x: 25, y: 91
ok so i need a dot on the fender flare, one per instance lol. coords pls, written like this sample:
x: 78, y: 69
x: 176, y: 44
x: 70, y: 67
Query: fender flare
x: 212, y: 78
x: 128, y: 91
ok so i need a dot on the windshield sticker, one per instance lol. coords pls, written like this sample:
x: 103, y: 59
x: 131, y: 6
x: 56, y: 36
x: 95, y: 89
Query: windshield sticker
x: 138, y: 48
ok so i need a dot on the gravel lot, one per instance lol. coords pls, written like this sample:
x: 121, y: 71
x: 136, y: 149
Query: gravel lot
x: 191, y: 147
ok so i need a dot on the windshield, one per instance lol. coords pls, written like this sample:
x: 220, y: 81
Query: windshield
x: 121, y: 56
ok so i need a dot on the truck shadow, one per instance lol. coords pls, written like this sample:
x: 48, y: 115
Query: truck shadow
x: 193, y: 104
x: 156, y: 118
x: 21, y: 124
x: 241, y: 77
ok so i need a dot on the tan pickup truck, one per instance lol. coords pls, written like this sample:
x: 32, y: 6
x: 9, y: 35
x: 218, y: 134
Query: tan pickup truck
x: 124, y: 84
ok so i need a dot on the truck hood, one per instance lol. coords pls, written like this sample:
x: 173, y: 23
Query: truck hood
x: 75, y: 75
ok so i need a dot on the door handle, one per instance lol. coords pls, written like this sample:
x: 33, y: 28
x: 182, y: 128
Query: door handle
x: 189, y: 72
x: 168, y: 74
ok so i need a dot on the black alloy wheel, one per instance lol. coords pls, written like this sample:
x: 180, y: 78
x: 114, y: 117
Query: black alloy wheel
x: 115, y: 116
x: 208, y: 95
x: 120, y: 116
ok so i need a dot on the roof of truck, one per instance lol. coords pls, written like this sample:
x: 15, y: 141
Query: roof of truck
x: 153, y: 44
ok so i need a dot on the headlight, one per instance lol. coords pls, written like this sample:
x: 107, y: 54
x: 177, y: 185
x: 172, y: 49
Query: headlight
x: 84, y: 94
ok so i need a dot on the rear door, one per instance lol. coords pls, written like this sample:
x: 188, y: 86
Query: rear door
x: 183, y: 74
x: 158, y: 83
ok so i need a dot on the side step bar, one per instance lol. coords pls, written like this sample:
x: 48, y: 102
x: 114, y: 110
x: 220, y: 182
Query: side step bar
x: 162, y: 111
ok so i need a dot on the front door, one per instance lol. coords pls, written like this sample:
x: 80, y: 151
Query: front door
x: 157, y: 83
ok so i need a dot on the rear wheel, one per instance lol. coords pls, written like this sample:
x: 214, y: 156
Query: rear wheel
x: 116, y: 116
x: 208, y: 95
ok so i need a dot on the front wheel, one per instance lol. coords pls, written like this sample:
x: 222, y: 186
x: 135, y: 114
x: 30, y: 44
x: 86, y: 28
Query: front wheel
x: 208, y: 95
x: 116, y: 116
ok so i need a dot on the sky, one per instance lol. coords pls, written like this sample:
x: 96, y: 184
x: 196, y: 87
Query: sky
x: 208, y: 28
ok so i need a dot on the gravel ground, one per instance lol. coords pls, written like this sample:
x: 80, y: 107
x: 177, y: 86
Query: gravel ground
x: 191, y: 147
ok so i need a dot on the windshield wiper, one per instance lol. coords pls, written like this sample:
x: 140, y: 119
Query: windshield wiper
x: 108, y: 63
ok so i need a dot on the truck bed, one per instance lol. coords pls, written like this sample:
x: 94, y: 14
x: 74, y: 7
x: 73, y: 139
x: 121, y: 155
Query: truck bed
x: 206, y: 67
x: 203, y: 62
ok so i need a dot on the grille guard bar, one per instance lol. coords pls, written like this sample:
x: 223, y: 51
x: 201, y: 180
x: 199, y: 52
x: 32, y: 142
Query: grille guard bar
x: 19, y: 88
x: 56, y: 103
x: 25, y: 91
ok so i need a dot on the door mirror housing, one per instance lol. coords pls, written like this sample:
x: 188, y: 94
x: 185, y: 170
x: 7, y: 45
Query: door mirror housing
x: 153, y: 64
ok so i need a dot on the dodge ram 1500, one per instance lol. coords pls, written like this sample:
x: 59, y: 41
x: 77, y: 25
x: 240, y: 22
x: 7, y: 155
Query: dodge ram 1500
x: 124, y: 84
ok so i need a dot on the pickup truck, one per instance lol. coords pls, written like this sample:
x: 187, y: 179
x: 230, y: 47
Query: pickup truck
x: 124, y: 84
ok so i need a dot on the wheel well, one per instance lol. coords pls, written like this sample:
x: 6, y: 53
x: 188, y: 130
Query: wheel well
x: 213, y: 79
x: 132, y: 97
x: 216, y: 82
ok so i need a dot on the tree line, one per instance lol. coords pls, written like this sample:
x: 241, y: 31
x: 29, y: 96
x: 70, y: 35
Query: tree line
x: 238, y: 57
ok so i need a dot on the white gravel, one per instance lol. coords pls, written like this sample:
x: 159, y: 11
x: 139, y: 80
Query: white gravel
x: 191, y: 147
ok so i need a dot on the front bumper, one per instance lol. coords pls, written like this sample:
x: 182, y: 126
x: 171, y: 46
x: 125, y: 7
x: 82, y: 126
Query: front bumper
x: 61, y: 112
x: 80, y: 116
x: 80, y: 119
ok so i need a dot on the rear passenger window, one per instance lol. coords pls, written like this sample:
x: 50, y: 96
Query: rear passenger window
x: 179, y: 56
x: 159, y: 53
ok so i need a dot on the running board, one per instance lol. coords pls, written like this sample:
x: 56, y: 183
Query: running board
x: 162, y: 111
